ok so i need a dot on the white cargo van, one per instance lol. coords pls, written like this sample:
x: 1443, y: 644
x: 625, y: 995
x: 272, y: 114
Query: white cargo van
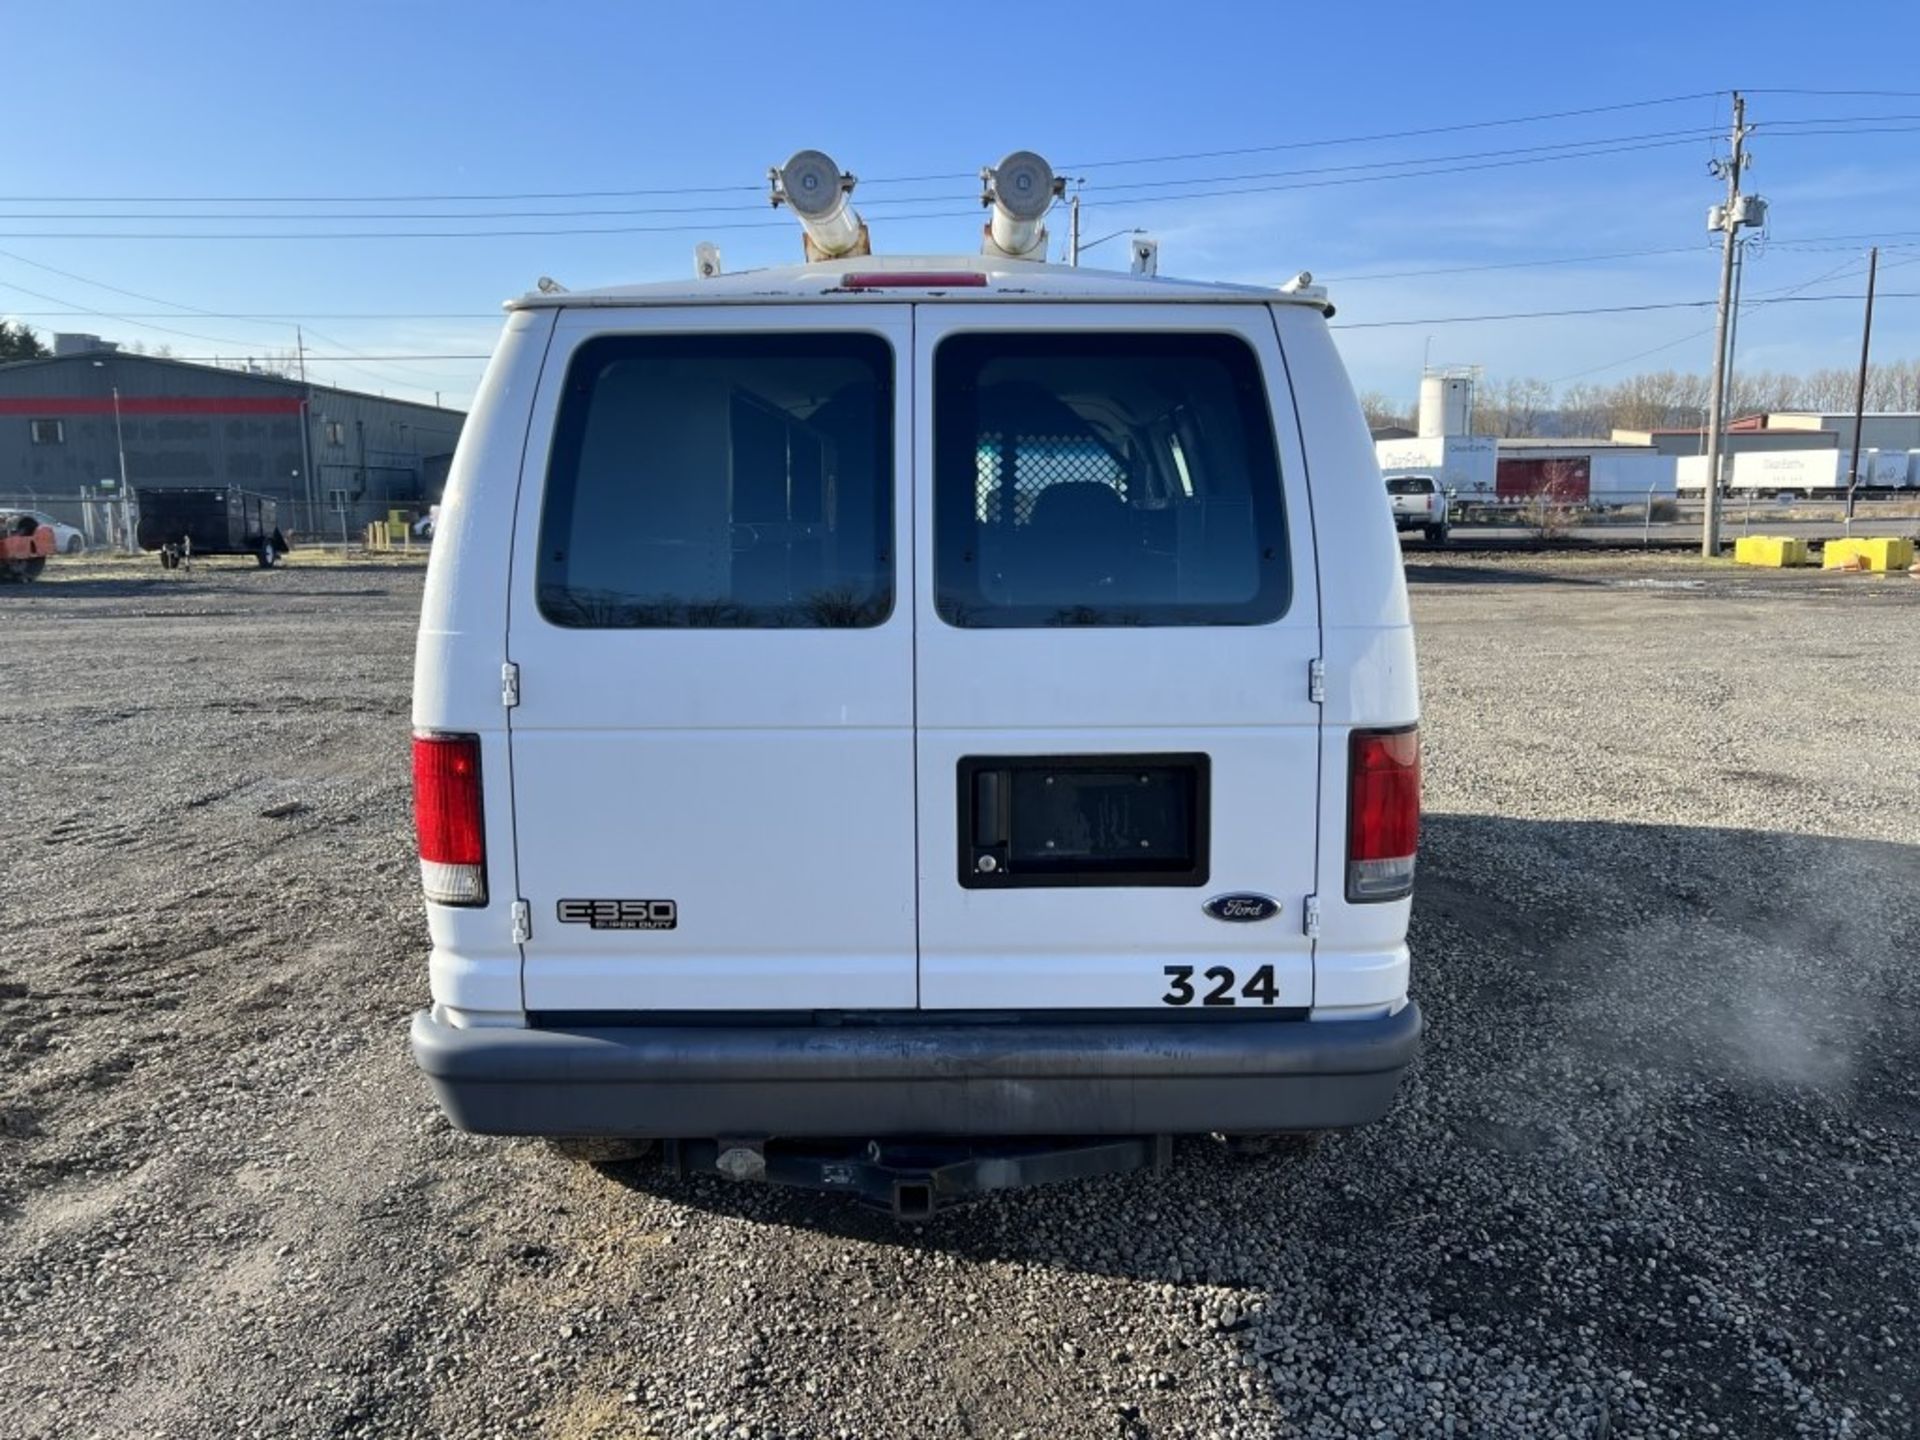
x: 911, y: 697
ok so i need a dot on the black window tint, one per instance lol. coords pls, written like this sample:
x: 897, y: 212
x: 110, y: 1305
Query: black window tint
x: 739, y: 481
x: 1105, y: 479
x: 1410, y: 485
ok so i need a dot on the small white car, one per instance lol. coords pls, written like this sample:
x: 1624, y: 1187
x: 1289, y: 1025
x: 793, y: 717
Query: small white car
x: 67, y: 539
x: 915, y: 697
x: 1419, y: 504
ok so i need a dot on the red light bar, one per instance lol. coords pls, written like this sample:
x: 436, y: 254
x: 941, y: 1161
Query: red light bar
x: 913, y: 280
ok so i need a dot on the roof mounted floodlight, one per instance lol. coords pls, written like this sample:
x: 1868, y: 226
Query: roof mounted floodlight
x: 1021, y: 189
x: 1146, y: 255
x: 706, y: 260
x: 816, y: 190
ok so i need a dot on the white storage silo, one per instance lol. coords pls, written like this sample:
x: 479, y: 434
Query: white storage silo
x: 1446, y: 403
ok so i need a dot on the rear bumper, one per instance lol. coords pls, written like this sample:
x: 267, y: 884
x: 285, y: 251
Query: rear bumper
x: 686, y: 1081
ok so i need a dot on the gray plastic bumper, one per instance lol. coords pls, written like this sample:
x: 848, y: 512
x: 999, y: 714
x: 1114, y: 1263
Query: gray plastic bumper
x: 1030, y: 1078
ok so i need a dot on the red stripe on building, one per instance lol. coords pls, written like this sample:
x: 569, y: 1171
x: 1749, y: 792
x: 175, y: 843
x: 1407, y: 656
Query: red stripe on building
x: 50, y: 406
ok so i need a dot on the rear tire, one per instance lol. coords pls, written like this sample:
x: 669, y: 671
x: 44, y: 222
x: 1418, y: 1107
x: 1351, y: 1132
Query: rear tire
x: 1436, y: 534
x: 265, y: 556
x: 598, y: 1149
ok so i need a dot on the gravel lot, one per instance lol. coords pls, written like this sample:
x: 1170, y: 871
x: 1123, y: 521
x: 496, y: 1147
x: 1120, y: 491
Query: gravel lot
x: 1655, y: 1174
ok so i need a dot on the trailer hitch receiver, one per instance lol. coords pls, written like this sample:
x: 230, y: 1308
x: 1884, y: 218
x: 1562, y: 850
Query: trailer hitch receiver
x: 916, y: 1179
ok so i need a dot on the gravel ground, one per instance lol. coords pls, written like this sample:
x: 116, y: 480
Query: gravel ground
x: 1655, y: 1174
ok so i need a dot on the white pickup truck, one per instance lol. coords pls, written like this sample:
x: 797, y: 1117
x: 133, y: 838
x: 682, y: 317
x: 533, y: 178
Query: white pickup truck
x: 1419, y: 504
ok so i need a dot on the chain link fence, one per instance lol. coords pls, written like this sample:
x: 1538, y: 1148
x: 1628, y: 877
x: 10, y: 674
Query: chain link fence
x: 102, y: 521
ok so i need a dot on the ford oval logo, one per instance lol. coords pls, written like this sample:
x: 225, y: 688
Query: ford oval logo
x: 1242, y: 907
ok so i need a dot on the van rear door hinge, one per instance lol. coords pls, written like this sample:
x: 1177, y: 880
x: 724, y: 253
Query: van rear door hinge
x: 509, y: 684
x: 522, y: 922
x: 1312, y: 910
x: 1317, y: 681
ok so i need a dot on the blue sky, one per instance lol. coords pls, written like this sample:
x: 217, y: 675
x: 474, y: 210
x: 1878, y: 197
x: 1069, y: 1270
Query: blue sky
x: 237, y: 103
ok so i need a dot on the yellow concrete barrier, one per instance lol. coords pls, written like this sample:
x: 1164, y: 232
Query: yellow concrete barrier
x: 1774, y: 550
x: 1878, y: 552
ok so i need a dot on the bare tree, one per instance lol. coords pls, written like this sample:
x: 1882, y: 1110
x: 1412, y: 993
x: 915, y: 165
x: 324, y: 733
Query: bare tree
x: 1585, y: 410
x: 1517, y: 407
x: 1381, y: 412
x: 1672, y: 399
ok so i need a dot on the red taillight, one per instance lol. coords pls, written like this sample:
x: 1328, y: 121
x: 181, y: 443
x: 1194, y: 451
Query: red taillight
x: 1383, y: 813
x: 448, y: 819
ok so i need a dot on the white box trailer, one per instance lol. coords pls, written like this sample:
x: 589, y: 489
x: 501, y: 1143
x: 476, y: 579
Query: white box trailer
x: 1630, y: 479
x: 1803, y: 472
x: 1462, y: 464
x: 1885, y: 469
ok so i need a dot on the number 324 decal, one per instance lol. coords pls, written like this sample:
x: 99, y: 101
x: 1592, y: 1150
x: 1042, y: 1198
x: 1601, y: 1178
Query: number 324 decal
x: 1260, y: 986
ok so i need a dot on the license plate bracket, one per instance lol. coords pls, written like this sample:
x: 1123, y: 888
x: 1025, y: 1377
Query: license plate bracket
x: 1066, y: 820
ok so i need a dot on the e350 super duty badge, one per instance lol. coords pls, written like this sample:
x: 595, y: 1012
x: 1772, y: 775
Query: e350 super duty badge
x: 620, y: 914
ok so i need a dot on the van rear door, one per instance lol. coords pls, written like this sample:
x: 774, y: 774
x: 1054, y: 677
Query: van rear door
x: 712, y: 749
x: 1118, y: 750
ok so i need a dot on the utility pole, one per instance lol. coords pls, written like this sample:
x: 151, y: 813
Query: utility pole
x: 300, y: 346
x: 1860, y: 386
x: 126, y: 495
x: 1733, y: 325
x: 1727, y: 220
x: 1073, y: 229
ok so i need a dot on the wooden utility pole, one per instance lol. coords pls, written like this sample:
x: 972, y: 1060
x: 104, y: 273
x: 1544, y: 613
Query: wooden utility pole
x: 1860, y: 386
x: 1728, y: 223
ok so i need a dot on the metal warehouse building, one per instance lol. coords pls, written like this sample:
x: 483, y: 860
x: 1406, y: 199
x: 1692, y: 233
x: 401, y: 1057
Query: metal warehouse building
x: 71, y: 423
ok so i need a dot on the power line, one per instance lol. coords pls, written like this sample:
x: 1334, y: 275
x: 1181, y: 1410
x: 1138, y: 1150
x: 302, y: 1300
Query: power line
x: 1749, y: 305
x: 444, y: 234
x: 116, y: 289
x: 1607, y: 310
x: 1565, y: 149
x: 107, y: 315
x: 243, y: 346
x: 1511, y: 265
x: 475, y: 198
x: 1849, y: 130
x: 1345, y: 325
x: 287, y: 317
x: 1810, y: 244
x: 1572, y: 148
x: 1382, y: 171
x: 313, y: 359
x: 1603, y: 145
x: 562, y: 231
x: 1882, y: 94
x: 1396, y: 134
x: 410, y: 382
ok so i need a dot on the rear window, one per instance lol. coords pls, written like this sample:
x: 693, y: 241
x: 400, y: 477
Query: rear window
x: 1105, y: 479
x: 1410, y: 485
x: 732, y: 481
